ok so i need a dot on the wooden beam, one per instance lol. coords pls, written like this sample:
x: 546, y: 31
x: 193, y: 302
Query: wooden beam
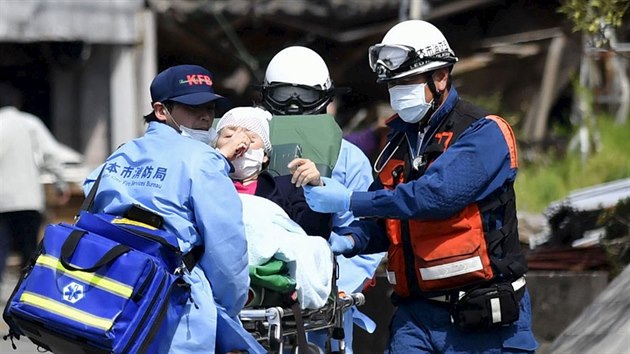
x: 523, y: 37
x: 536, y: 126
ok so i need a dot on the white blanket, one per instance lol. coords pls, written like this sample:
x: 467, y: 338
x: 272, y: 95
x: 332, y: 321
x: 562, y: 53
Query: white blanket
x: 271, y: 233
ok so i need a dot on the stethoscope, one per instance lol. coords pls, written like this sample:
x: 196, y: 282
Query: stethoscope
x: 417, y: 163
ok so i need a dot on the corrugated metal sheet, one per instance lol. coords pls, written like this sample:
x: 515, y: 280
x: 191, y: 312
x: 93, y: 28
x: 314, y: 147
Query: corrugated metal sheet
x: 111, y: 22
x: 322, y: 9
x: 596, y: 197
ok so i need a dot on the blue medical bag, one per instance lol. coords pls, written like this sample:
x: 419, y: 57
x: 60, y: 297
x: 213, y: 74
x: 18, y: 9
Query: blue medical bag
x: 104, y: 285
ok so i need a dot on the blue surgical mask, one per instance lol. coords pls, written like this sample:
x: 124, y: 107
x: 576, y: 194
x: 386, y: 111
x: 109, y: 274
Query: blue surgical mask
x: 409, y: 102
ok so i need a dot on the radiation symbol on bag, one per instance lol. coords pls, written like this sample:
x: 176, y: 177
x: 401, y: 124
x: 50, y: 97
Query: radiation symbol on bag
x: 73, y: 292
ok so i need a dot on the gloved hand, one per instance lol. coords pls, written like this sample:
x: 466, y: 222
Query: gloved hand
x: 332, y: 197
x: 340, y: 244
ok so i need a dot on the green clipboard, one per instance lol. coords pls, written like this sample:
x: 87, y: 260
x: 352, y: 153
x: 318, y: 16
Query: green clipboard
x: 315, y: 137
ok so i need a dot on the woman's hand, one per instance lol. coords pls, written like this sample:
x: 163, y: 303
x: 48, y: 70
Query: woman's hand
x: 304, y: 172
x: 235, y: 145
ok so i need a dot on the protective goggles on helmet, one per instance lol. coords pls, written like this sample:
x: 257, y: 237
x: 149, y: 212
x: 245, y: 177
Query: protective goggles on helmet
x: 284, y: 92
x: 388, y: 59
x: 280, y: 97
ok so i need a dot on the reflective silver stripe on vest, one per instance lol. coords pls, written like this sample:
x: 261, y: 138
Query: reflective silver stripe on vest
x: 452, y: 269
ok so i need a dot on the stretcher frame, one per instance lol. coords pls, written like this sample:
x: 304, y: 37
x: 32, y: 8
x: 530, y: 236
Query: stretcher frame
x: 274, y: 327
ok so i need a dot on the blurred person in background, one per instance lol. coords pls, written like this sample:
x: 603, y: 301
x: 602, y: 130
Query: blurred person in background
x: 25, y: 153
x: 297, y: 82
x: 443, y: 206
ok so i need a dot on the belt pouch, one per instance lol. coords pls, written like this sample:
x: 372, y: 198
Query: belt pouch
x: 487, y: 307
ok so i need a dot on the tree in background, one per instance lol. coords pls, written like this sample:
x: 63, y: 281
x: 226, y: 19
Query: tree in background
x: 603, y: 77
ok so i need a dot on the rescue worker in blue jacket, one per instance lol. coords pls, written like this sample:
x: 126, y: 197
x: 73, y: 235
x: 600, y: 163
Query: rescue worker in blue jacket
x: 443, y: 206
x: 173, y: 172
x: 297, y: 82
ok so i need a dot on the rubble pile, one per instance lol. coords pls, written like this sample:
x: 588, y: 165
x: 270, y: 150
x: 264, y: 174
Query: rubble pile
x: 588, y: 230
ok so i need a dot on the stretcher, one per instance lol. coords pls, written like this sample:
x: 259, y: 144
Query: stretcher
x: 279, y: 328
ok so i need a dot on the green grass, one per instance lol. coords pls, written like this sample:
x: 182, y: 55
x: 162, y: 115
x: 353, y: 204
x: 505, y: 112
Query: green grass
x: 552, y: 178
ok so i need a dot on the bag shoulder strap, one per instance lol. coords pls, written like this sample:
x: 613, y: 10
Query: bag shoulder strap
x: 89, y: 200
x: 190, y: 259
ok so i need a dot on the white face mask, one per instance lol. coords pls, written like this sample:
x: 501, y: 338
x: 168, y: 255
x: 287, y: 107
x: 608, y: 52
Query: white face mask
x: 205, y: 136
x: 409, y: 102
x: 249, y: 164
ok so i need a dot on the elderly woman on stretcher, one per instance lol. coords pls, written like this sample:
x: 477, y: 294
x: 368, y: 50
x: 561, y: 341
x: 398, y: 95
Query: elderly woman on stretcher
x: 277, y: 218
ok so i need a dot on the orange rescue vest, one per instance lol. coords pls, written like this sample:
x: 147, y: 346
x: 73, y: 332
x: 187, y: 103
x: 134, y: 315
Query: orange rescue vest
x: 431, y: 257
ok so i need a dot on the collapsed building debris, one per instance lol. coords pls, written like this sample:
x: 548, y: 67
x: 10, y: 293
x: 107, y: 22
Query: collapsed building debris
x: 590, y: 229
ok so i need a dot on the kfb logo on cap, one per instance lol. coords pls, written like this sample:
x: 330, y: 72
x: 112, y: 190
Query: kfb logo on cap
x: 185, y: 84
x: 196, y: 79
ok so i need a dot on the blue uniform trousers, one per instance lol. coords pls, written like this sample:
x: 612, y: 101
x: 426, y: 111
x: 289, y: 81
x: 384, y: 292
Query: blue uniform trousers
x: 424, y: 326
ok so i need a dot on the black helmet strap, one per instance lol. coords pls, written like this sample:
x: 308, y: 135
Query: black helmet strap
x: 436, y: 94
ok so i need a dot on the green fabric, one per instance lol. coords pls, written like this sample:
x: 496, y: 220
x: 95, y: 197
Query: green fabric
x: 273, y: 275
x: 318, y: 137
x: 260, y: 296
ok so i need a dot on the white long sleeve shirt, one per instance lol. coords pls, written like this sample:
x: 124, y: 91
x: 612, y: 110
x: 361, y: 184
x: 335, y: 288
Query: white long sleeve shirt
x: 19, y: 175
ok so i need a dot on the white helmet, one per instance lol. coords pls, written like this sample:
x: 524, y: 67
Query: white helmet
x: 410, y: 48
x: 297, y: 82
